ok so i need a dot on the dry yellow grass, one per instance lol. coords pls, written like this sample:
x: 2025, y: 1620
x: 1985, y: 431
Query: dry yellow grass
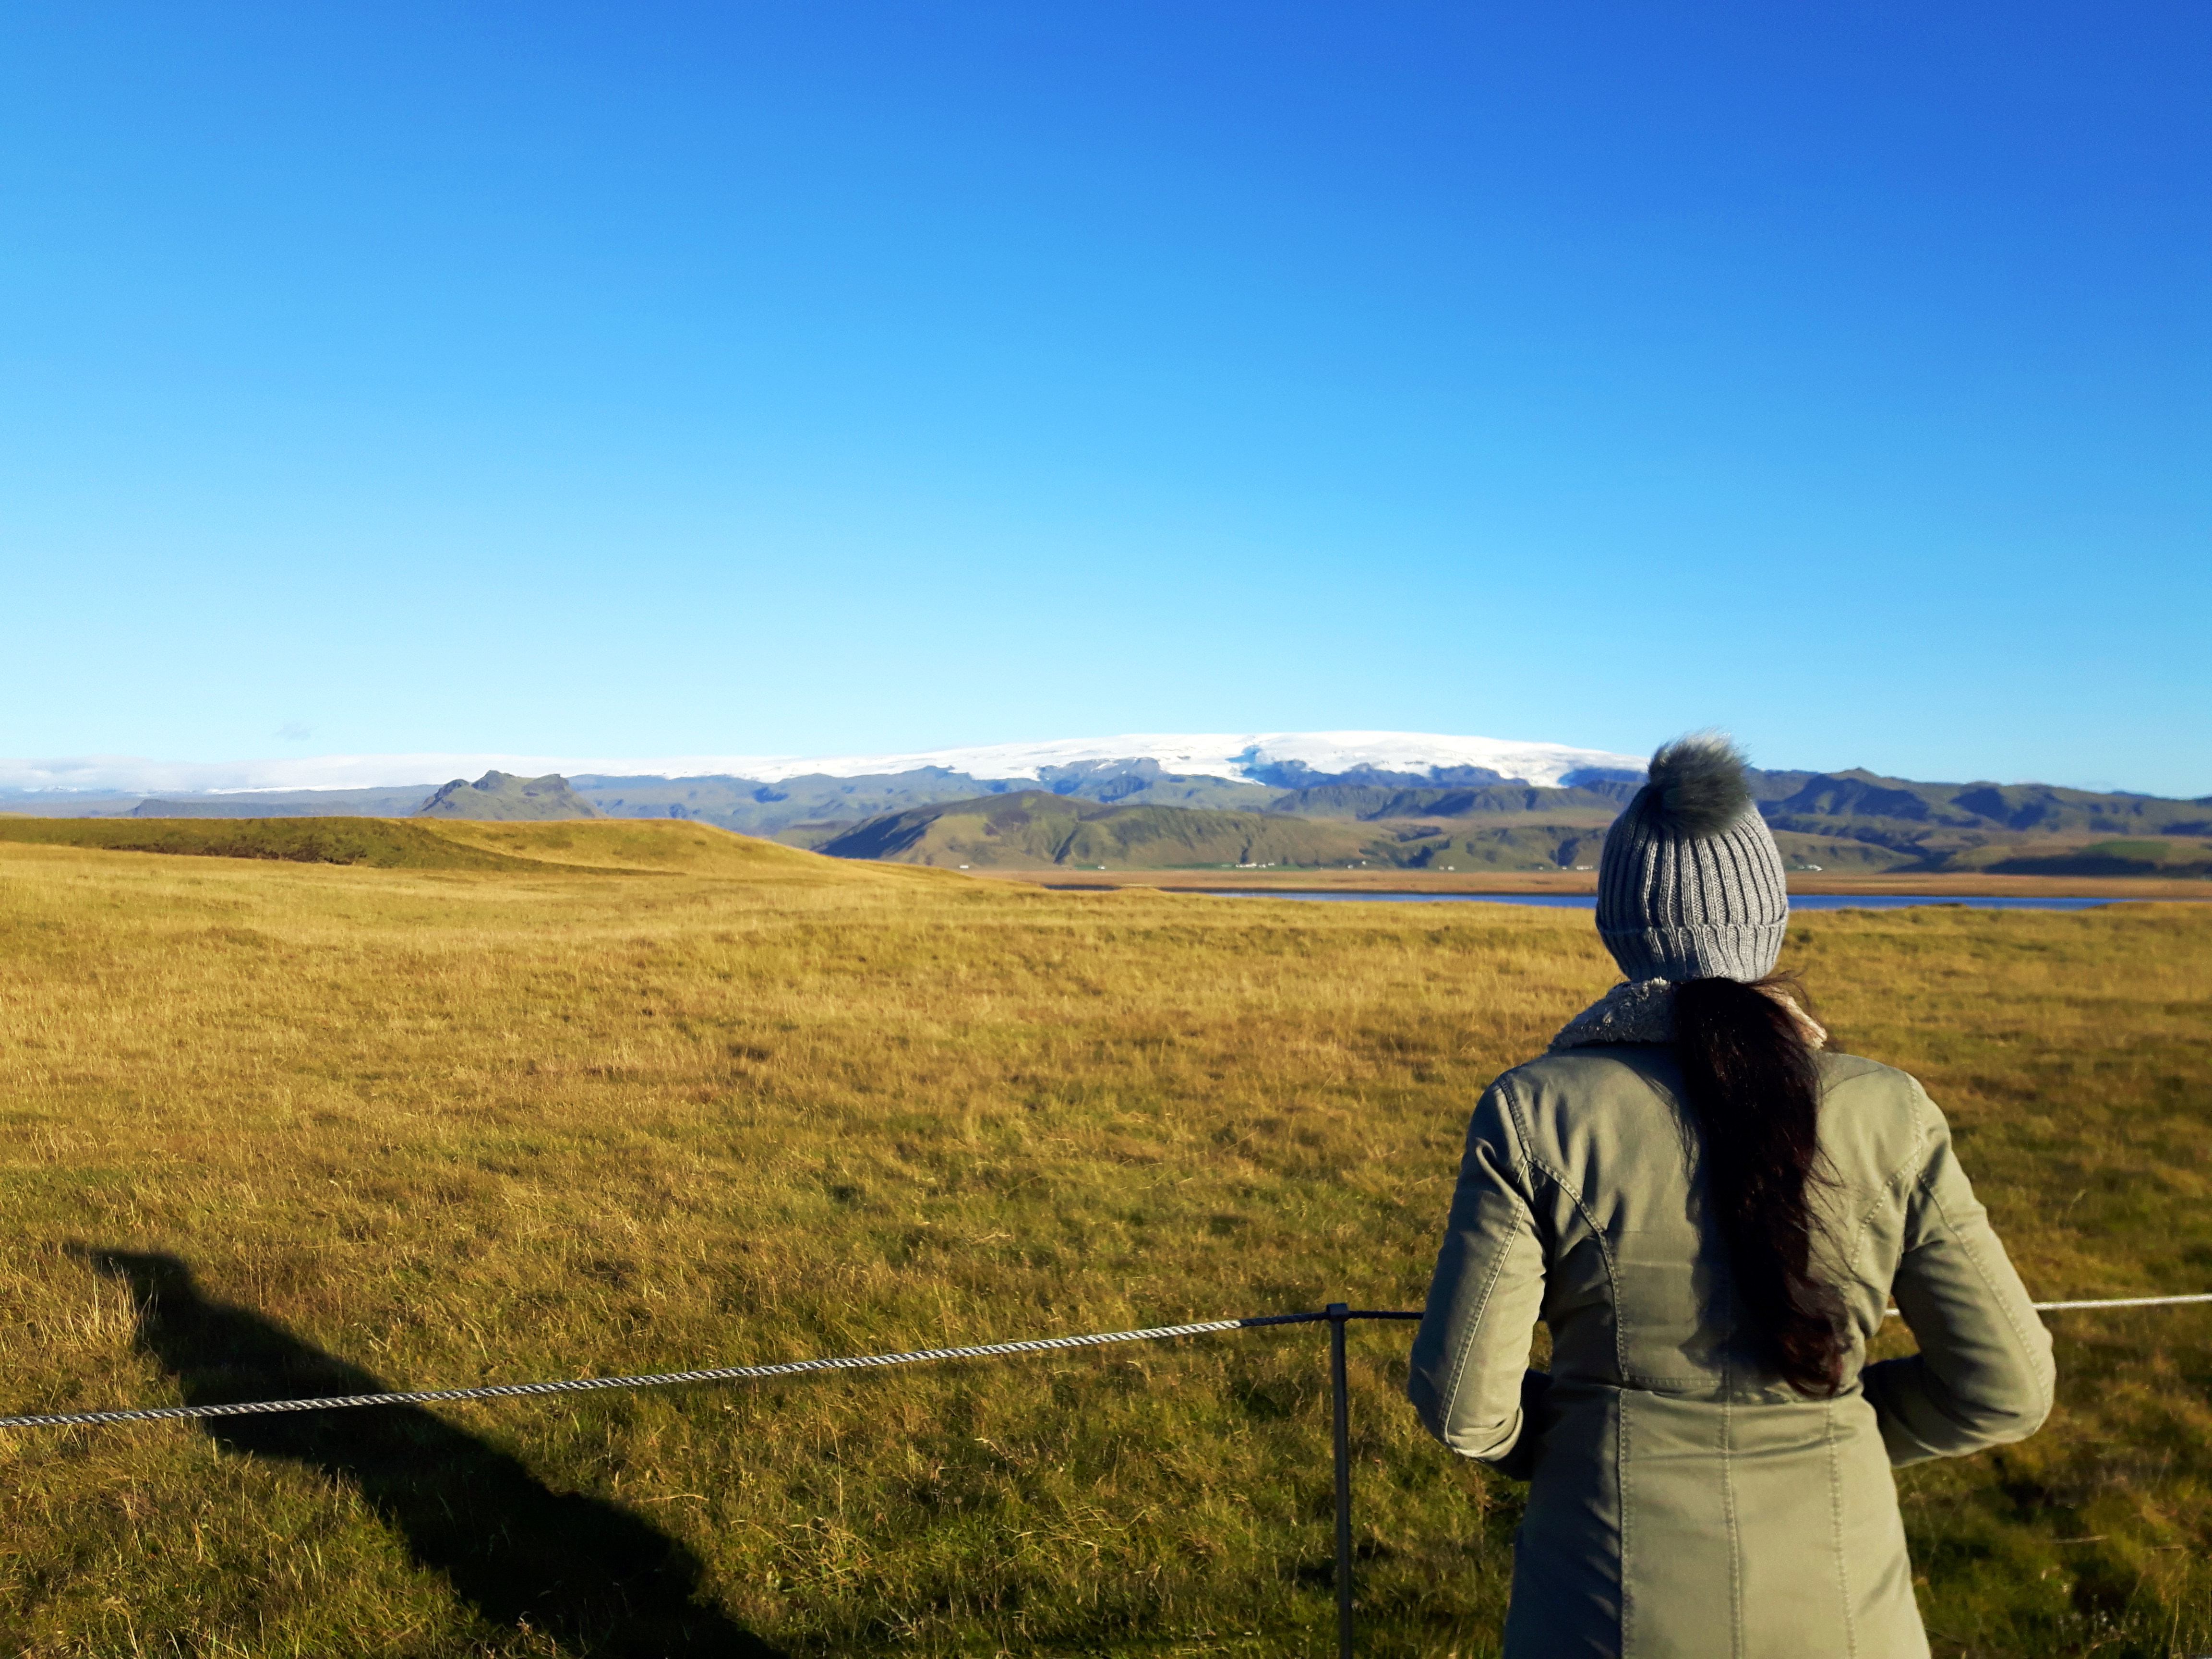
x: 441, y: 1127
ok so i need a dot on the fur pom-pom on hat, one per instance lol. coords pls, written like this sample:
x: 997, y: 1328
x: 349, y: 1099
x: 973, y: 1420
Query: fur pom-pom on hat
x: 1698, y: 784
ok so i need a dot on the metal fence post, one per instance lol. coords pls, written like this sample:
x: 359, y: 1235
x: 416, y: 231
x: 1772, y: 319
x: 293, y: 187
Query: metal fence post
x: 1341, y: 1403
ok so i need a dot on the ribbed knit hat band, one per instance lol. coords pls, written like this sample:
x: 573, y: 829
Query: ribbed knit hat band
x: 1690, y: 885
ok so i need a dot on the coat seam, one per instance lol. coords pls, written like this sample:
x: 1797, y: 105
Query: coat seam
x: 1605, y: 1255
x: 1836, y: 1522
x: 1903, y: 1177
x: 1558, y: 1178
x: 1735, y: 1531
x: 1574, y: 1196
x: 1622, y: 1463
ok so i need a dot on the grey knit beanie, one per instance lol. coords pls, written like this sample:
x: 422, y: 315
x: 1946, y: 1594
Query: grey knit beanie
x: 1690, y: 886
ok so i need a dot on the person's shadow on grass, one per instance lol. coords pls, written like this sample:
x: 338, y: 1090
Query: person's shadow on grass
x: 594, y: 1577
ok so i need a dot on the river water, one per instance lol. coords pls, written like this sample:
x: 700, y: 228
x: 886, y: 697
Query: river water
x: 1798, y: 901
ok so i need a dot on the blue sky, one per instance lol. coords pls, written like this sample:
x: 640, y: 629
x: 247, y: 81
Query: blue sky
x: 661, y: 379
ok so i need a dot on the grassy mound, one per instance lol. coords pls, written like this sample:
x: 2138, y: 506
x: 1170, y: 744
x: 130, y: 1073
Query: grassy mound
x: 606, y: 846
x: 382, y: 843
x: 673, y: 846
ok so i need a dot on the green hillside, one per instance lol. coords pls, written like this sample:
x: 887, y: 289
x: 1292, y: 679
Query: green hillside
x: 504, y: 797
x: 1369, y: 801
x: 802, y: 811
x: 1862, y: 796
x: 1036, y: 829
x: 2166, y: 856
x: 1951, y: 826
x: 814, y: 808
x: 1417, y: 845
x: 1840, y: 854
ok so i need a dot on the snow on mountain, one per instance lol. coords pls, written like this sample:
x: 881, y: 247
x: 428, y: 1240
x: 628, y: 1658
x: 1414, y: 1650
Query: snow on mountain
x: 1237, y: 756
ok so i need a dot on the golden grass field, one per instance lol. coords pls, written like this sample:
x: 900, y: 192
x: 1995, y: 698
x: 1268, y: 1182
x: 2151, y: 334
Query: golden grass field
x: 712, y: 1102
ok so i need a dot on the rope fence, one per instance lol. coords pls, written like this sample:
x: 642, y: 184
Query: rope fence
x: 669, y: 1379
x: 1337, y: 1316
x: 803, y: 1367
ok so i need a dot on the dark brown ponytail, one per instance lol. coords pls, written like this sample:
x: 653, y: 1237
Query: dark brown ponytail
x: 1756, y: 1092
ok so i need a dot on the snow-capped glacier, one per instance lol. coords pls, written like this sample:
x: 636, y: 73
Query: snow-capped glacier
x: 1237, y: 756
x: 1233, y: 755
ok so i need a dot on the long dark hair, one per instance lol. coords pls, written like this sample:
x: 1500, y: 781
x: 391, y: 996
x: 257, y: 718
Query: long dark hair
x: 1756, y: 1092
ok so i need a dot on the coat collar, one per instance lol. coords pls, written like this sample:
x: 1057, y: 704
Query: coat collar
x: 1642, y: 1011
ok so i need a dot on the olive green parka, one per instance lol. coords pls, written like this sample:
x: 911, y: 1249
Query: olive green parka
x: 1683, y: 1499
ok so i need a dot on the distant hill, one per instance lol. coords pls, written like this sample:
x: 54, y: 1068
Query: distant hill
x: 394, y: 803
x: 1594, y: 805
x: 1951, y: 826
x: 1869, y: 798
x: 1496, y: 828
x: 812, y: 808
x: 1035, y: 828
x: 2167, y: 856
x: 804, y: 811
x: 504, y: 797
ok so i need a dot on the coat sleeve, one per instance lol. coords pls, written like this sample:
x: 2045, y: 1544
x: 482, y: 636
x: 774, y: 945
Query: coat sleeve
x: 1984, y: 1375
x: 1471, y: 1353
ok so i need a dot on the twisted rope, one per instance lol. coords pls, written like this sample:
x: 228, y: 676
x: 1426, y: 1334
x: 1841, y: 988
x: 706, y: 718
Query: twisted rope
x: 800, y: 1367
x: 658, y: 1379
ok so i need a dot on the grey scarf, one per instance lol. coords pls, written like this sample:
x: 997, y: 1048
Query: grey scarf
x: 1642, y: 1011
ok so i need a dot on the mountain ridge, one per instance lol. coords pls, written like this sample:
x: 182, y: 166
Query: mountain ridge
x: 1036, y: 829
x: 1402, y: 798
x: 504, y: 798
